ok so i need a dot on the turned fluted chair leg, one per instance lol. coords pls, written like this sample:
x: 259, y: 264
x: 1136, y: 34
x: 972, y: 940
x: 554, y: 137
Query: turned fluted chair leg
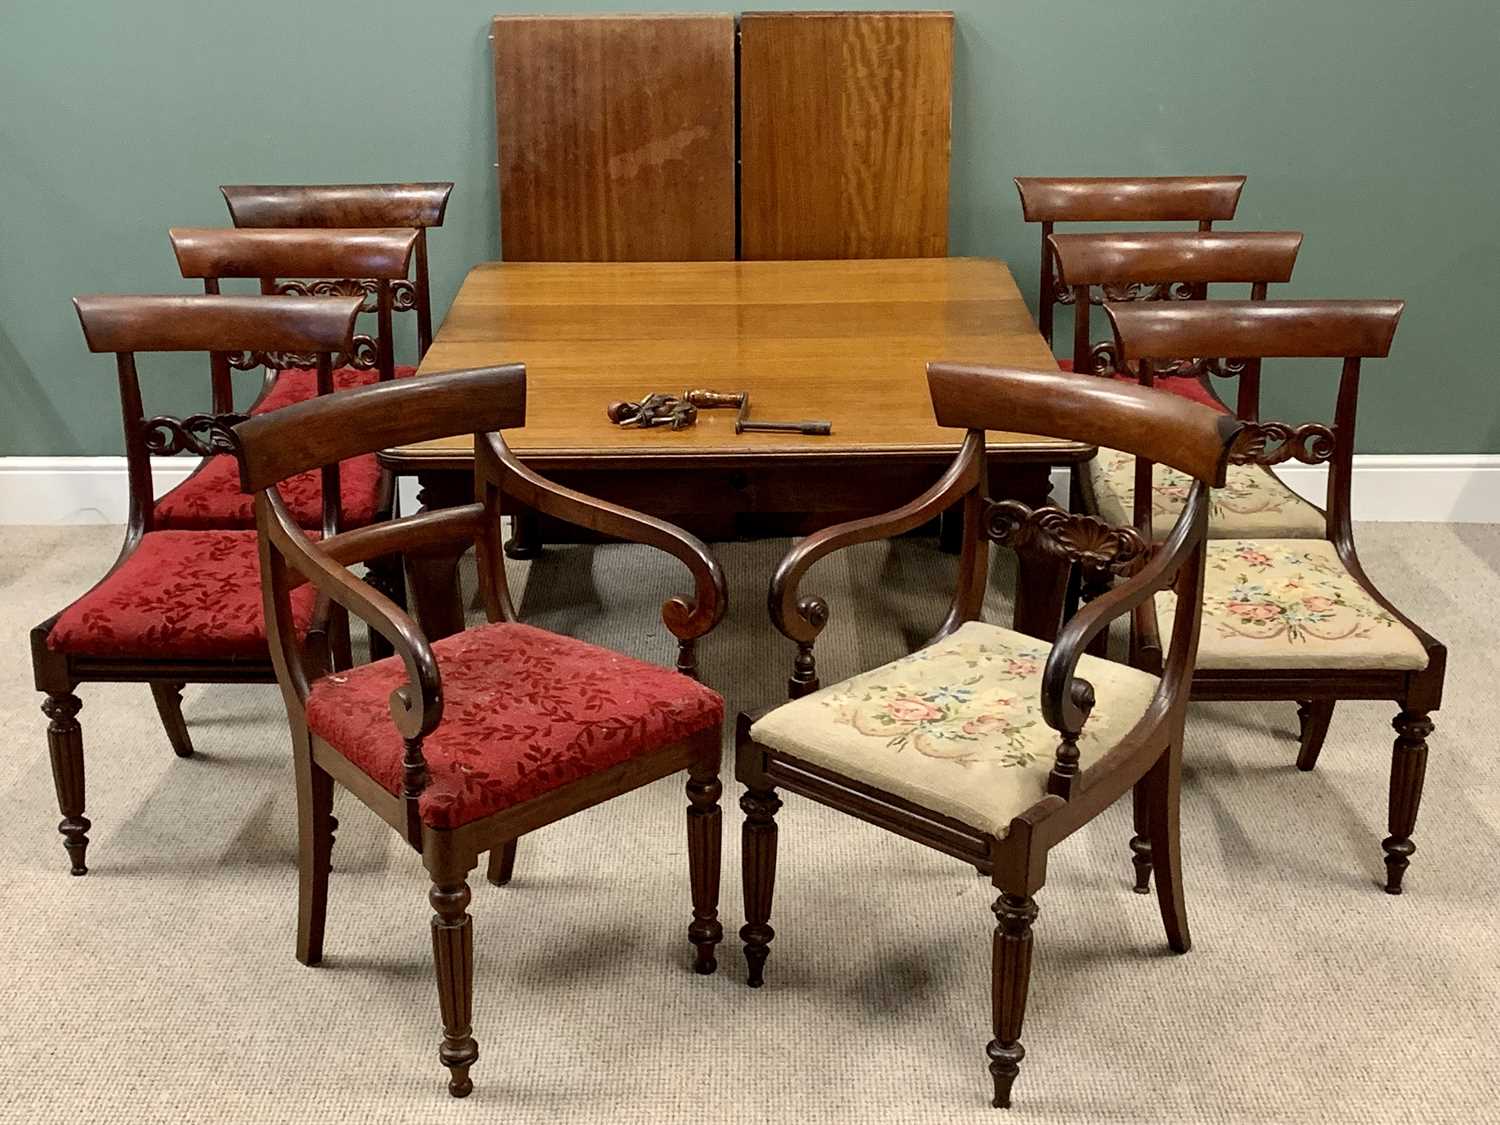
x: 502, y: 864
x: 169, y: 706
x: 65, y: 746
x: 1163, y: 784
x: 1140, y: 843
x: 705, y: 834
x: 1010, y: 978
x: 453, y: 957
x: 758, y: 845
x: 1408, y: 768
x: 1313, y: 717
x: 315, y: 829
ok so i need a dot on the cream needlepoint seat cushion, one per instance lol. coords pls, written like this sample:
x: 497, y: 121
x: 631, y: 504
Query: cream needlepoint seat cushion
x: 1253, y: 504
x: 1290, y: 603
x: 956, y: 727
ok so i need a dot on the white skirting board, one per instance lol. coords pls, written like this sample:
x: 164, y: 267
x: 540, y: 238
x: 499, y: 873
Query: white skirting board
x: 1447, y: 488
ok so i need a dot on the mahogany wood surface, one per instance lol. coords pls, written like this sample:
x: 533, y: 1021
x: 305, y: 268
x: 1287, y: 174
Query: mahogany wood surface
x: 845, y: 133
x: 615, y: 137
x: 372, y: 253
x: 337, y: 205
x: 847, y: 341
x: 127, y: 323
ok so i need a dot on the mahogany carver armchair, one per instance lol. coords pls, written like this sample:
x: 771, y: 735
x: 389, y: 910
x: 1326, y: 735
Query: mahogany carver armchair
x: 360, y: 263
x: 1296, y: 619
x: 1050, y: 200
x: 177, y: 606
x: 989, y: 745
x: 464, y: 743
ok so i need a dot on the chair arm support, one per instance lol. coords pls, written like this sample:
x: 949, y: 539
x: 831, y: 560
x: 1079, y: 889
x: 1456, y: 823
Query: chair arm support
x: 1066, y: 700
x: 803, y: 619
x: 688, y: 618
x: 416, y: 706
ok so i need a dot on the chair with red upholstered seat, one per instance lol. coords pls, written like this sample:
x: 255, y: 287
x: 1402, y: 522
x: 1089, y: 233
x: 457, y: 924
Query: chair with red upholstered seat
x: 362, y: 263
x: 178, y: 606
x: 1050, y: 200
x: 416, y: 206
x: 464, y: 743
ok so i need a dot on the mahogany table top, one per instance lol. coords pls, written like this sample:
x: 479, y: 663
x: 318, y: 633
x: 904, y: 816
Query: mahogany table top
x: 845, y: 341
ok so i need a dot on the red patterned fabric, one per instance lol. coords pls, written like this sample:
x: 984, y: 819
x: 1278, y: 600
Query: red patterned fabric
x: 298, y: 384
x: 525, y: 712
x: 180, y: 595
x: 211, y: 498
x: 1185, y: 386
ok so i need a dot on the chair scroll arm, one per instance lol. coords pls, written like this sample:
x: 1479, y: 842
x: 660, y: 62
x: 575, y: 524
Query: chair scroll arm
x: 417, y: 705
x: 803, y: 619
x: 687, y: 618
x: 1068, y: 699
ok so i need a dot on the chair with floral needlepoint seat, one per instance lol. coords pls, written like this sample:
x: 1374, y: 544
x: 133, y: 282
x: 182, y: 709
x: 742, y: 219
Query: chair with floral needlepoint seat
x: 1295, y: 619
x: 1050, y: 200
x: 179, y: 606
x: 987, y: 744
x: 1169, y: 266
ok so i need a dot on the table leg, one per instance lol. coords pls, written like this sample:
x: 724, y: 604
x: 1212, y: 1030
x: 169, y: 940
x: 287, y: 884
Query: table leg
x: 1041, y: 580
x: 525, y: 540
x: 436, y: 598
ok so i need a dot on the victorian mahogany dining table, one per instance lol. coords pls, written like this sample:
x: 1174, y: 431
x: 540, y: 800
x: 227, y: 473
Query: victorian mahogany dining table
x: 843, y: 341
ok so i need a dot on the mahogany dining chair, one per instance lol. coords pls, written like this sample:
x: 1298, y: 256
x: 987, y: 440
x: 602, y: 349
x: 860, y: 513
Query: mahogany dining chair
x: 463, y: 743
x: 329, y: 263
x: 178, y: 606
x: 1049, y: 200
x: 1295, y: 619
x: 987, y: 744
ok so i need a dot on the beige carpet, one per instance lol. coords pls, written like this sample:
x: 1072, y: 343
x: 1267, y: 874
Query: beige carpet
x: 162, y: 987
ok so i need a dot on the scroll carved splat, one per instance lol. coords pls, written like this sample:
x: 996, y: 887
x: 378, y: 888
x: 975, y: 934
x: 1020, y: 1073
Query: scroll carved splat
x: 1271, y: 443
x: 362, y: 357
x: 1079, y: 538
x: 1133, y: 291
x: 202, y: 435
x: 334, y: 287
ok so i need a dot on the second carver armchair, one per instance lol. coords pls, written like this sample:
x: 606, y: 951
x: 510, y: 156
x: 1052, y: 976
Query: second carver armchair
x: 987, y: 744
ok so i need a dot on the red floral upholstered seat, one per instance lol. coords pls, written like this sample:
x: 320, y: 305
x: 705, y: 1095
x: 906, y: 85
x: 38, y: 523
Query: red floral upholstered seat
x: 525, y: 712
x: 298, y: 384
x: 211, y: 497
x: 179, y: 595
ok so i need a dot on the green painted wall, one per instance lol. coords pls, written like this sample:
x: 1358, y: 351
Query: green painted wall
x: 1369, y: 124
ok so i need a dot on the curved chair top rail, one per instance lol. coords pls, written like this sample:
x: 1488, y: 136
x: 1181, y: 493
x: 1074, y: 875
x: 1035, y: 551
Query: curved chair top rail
x: 374, y: 253
x: 1254, y: 329
x: 1164, y: 428
x: 1103, y: 199
x: 337, y: 205
x: 1176, y: 256
x: 202, y: 323
x: 333, y: 428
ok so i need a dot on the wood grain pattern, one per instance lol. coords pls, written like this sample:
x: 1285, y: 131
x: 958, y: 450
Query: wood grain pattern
x: 847, y: 341
x: 615, y: 137
x: 845, y: 127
